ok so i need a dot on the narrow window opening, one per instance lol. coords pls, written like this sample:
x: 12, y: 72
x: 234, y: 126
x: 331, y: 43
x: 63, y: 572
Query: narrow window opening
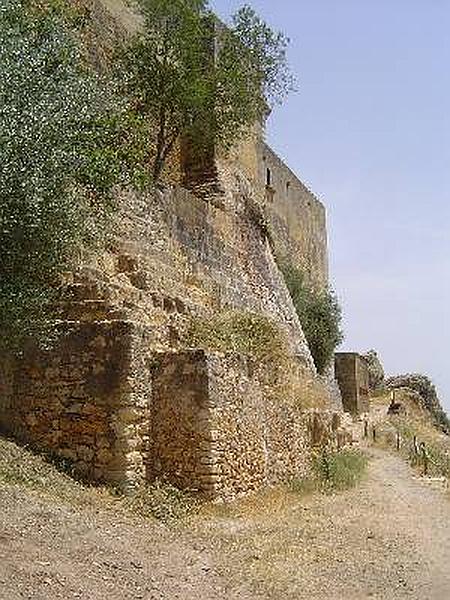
x: 268, y: 178
x: 288, y: 187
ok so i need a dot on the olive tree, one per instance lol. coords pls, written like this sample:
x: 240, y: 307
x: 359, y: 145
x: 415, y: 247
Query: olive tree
x: 56, y: 160
x: 196, y: 78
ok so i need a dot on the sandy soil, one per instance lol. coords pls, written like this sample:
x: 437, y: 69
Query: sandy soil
x: 387, y: 539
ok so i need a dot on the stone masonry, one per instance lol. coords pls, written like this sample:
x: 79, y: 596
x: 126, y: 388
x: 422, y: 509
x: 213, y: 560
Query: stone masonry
x: 216, y: 431
x: 353, y: 378
x: 120, y: 413
x: 87, y: 401
x: 121, y: 396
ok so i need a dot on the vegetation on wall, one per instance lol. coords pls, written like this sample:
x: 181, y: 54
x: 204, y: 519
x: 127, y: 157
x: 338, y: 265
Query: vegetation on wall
x: 238, y: 331
x: 69, y: 134
x: 58, y: 143
x: 198, y: 80
x: 319, y: 313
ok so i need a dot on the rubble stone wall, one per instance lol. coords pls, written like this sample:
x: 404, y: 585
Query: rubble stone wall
x: 215, y: 430
x: 82, y: 401
x: 121, y: 413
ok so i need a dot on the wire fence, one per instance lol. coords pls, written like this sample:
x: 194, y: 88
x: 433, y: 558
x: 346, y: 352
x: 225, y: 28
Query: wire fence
x: 420, y: 453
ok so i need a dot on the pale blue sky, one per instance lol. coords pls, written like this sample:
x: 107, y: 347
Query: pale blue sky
x: 369, y: 131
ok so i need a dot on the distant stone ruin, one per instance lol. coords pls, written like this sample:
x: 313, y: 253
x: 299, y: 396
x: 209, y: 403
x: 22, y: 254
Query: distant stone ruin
x: 353, y: 379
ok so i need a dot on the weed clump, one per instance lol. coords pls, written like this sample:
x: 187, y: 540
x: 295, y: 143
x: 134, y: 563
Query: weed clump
x: 238, y: 331
x: 333, y: 471
x: 162, y: 501
x: 341, y: 470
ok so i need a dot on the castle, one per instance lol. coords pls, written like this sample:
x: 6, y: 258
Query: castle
x: 123, y: 396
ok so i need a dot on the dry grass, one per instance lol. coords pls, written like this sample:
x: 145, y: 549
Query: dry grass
x: 274, y: 537
x: 418, y: 423
x: 254, y: 334
x: 21, y: 467
x: 333, y: 472
x: 239, y: 331
x: 340, y: 470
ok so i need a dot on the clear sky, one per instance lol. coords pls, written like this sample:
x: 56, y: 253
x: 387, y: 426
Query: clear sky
x: 369, y: 132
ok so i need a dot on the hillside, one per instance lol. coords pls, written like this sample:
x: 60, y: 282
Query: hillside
x: 176, y: 348
x: 61, y: 540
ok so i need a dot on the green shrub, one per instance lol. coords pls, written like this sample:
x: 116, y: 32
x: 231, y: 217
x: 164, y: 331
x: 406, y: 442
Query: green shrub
x: 60, y: 127
x: 320, y: 316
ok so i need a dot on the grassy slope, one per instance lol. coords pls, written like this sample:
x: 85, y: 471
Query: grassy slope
x: 415, y: 422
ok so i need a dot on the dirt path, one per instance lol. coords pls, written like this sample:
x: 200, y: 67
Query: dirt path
x: 388, y: 539
x: 48, y: 551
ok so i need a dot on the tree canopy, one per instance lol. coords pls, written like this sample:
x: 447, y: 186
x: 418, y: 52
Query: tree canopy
x: 194, y: 77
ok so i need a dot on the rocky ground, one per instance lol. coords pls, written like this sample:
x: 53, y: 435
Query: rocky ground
x: 387, y: 539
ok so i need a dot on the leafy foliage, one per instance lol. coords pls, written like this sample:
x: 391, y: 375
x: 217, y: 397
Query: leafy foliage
x: 59, y: 127
x: 252, y: 74
x: 320, y: 316
x: 198, y: 80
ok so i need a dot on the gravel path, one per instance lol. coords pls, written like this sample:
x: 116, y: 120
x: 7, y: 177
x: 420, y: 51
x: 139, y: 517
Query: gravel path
x: 388, y: 539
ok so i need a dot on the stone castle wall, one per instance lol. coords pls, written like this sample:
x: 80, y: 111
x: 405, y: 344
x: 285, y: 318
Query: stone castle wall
x: 297, y: 218
x: 178, y: 255
x: 84, y: 401
x: 120, y: 413
x: 121, y: 396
